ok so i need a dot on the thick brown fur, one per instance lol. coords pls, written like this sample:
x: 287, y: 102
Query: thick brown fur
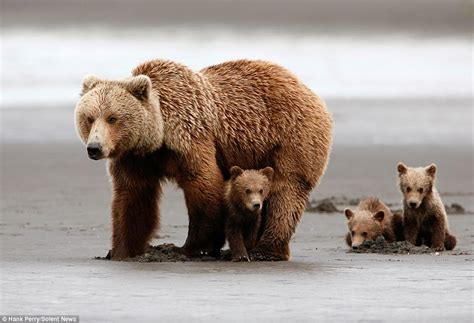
x: 245, y: 194
x: 397, y: 224
x: 191, y: 127
x: 424, y: 216
x: 371, y: 219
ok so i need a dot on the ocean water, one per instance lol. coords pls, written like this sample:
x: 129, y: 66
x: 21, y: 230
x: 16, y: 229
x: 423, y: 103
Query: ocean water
x: 381, y: 89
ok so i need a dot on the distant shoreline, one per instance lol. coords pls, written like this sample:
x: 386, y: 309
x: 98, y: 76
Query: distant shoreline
x: 358, y: 122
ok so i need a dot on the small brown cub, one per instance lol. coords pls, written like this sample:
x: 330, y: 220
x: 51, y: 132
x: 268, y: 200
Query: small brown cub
x: 424, y: 216
x: 371, y: 219
x: 245, y: 194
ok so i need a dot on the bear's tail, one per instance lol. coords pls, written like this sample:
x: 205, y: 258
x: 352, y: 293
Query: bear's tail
x: 397, y: 224
x: 449, y: 241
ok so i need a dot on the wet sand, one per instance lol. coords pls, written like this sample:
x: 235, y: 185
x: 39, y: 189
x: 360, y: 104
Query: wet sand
x: 55, y: 220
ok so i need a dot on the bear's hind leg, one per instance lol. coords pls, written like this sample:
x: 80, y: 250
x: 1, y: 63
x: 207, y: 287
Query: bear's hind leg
x: 286, y: 205
x: 449, y: 241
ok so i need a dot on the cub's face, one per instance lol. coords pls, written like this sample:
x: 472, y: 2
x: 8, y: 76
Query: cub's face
x: 364, y: 225
x: 250, y: 188
x: 110, y: 114
x: 416, y: 183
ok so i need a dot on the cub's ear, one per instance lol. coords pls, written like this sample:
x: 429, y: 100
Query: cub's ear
x: 268, y: 172
x: 348, y: 213
x: 139, y: 86
x: 402, y: 168
x: 89, y: 82
x: 431, y: 170
x: 235, y: 171
x: 379, y: 216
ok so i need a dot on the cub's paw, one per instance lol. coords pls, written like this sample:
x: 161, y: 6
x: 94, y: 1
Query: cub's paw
x: 438, y: 248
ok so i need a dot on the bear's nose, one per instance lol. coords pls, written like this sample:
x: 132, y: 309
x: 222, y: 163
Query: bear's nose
x: 256, y: 206
x: 413, y: 205
x: 94, y: 150
x: 355, y: 247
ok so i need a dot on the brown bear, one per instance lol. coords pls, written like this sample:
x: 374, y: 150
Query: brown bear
x: 371, y: 219
x: 167, y: 122
x: 424, y: 217
x: 245, y: 194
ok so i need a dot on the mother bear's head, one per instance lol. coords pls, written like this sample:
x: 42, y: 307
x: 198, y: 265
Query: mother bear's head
x: 118, y: 117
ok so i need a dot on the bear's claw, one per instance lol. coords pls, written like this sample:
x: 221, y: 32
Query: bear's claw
x: 241, y: 258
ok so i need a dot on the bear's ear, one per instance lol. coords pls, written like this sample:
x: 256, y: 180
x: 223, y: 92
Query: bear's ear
x: 139, y: 86
x: 379, y: 216
x: 348, y: 213
x: 402, y: 168
x: 268, y: 172
x: 89, y: 82
x: 235, y: 171
x: 431, y: 170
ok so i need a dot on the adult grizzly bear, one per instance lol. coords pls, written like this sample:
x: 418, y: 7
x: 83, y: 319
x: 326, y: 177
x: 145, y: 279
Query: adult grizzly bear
x: 168, y: 122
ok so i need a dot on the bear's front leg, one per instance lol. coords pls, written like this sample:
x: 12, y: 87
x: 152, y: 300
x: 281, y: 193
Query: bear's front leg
x: 135, y: 212
x: 203, y: 186
x: 251, y: 235
x: 349, y: 239
x: 411, y: 229
x: 236, y: 244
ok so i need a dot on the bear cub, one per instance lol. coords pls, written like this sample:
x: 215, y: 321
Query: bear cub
x: 245, y: 194
x: 424, y: 216
x: 371, y: 219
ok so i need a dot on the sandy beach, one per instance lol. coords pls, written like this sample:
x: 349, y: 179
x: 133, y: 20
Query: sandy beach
x: 55, y: 220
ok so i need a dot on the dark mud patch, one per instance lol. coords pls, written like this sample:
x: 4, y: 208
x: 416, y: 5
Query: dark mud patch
x: 456, y: 208
x: 336, y: 204
x: 329, y: 205
x: 323, y: 206
x: 168, y: 252
x: 381, y: 246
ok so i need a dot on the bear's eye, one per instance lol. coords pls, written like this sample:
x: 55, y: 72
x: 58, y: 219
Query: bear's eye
x: 247, y: 191
x: 420, y: 190
x: 352, y: 232
x: 408, y: 189
x: 261, y: 191
x: 90, y: 119
x: 111, y: 120
x: 364, y: 234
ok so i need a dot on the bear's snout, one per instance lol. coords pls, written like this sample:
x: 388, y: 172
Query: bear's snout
x: 413, y: 205
x: 94, y: 150
x: 256, y: 206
